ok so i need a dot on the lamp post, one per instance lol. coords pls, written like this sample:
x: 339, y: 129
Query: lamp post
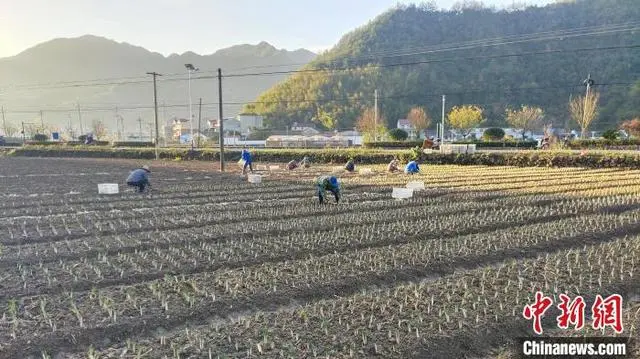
x: 190, y: 69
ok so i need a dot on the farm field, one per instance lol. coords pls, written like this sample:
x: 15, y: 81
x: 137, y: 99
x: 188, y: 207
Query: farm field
x: 210, y: 266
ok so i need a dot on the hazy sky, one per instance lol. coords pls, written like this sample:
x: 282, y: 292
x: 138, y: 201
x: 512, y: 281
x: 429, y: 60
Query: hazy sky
x: 202, y: 26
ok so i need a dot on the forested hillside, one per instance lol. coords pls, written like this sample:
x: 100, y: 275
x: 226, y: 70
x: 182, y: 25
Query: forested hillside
x: 414, y: 54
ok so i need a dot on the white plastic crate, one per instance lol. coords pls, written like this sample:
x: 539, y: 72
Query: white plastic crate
x: 254, y: 179
x: 416, y: 185
x: 274, y: 168
x: 108, y: 188
x: 366, y: 171
x: 457, y: 148
x: 402, y: 193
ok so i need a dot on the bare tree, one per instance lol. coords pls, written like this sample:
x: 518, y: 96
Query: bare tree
x: 10, y: 129
x: 526, y: 118
x: 584, y: 110
x: 99, y: 130
x: 367, y: 124
x: 419, y: 119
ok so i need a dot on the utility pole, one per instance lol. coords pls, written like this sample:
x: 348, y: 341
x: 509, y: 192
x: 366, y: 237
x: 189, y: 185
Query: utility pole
x: 221, y: 134
x: 42, y: 120
x: 566, y: 121
x: 588, y: 82
x: 4, y: 121
x: 23, y: 134
x: 199, y: 121
x: 140, y: 128
x: 80, y: 120
x: 155, y: 109
x: 71, y: 134
x: 442, y: 121
x: 375, y: 115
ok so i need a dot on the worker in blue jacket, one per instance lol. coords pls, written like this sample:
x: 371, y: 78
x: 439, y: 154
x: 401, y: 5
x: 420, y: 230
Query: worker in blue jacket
x: 328, y: 183
x: 139, y: 178
x: 412, y: 167
x: 248, y: 161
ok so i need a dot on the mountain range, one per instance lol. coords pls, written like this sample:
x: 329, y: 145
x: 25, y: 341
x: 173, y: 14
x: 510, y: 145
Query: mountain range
x: 103, y: 76
x: 497, y: 59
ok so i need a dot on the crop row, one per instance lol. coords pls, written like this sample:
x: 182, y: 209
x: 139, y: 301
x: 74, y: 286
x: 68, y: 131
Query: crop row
x: 422, y: 257
x: 398, y: 321
x: 367, y: 214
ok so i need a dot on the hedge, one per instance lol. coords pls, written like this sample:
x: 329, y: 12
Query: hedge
x: 133, y: 144
x: 479, y: 144
x: 259, y: 155
x: 519, y: 159
x: 632, y: 143
x: 501, y: 144
x: 393, y: 144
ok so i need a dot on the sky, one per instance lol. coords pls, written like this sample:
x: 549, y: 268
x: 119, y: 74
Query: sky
x: 201, y: 26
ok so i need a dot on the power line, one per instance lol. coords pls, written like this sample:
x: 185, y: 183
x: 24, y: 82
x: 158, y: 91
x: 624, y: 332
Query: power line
x: 498, y: 41
x: 486, y: 57
x: 329, y: 71
x: 435, y: 94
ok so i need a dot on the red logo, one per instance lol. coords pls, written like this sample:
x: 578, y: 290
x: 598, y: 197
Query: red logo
x: 537, y: 310
x: 605, y: 312
x: 608, y: 312
x: 572, y: 312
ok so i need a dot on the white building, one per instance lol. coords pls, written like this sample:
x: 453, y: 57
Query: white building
x: 406, y: 125
x: 249, y: 121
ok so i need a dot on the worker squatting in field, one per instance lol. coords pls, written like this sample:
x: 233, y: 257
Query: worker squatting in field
x: 293, y: 164
x: 139, y: 178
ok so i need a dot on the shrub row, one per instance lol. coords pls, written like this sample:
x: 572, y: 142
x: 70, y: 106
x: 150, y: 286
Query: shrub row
x: 538, y: 159
x: 479, y: 144
x: 631, y: 143
x: 501, y: 144
x: 260, y: 155
x: 133, y: 144
x: 519, y: 159
x: 393, y: 144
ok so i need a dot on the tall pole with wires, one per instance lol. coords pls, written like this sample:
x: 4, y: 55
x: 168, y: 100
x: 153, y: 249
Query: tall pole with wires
x: 4, y: 121
x: 199, y: 121
x: 588, y: 83
x: 444, y: 99
x: 190, y: 69
x: 80, y: 120
x: 155, y: 111
x: 375, y: 115
x: 221, y: 121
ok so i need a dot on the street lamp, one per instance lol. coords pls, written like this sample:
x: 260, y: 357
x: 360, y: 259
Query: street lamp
x: 190, y: 69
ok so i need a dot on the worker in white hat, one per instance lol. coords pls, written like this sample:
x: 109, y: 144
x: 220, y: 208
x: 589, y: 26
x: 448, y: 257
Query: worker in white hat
x: 139, y: 178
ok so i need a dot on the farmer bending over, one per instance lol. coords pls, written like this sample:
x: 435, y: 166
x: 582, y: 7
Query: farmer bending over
x: 350, y: 166
x: 412, y: 167
x: 292, y: 165
x: 305, y: 162
x: 328, y: 183
x: 248, y: 161
x: 139, y: 178
x: 393, y: 165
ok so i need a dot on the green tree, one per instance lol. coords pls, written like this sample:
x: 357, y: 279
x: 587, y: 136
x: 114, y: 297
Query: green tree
x: 398, y: 134
x: 493, y: 134
x: 526, y: 118
x: 611, y: 135
x: 465, y: 118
